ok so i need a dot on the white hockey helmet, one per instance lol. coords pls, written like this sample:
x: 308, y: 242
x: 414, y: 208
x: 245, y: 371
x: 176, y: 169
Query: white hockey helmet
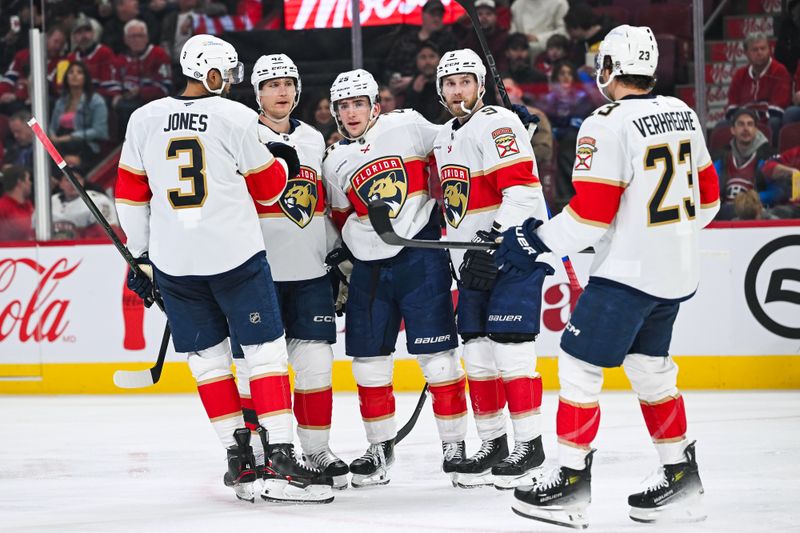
x: 464, y: 61
x: 275, y: 66
x: 633, y: 51
x: 202, y: 53
x: 351, y: 84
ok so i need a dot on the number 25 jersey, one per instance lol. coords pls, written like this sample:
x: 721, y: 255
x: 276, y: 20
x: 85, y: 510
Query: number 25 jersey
x: 189, y: 171
x: 645, y: 186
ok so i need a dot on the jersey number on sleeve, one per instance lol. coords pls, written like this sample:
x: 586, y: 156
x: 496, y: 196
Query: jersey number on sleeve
x: 194, y: 172
x: 657, y: 213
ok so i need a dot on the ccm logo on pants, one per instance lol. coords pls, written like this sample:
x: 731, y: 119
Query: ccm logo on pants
x: 324, y: 318
x: 505, y: 318
x: 431, y: 340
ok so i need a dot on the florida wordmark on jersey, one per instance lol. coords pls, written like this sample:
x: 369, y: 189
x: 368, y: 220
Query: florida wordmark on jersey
x: 294, y: 226
x: 189, y: 171
x: 645, y: 186
x: 390, y: 163
x: 488, y: 173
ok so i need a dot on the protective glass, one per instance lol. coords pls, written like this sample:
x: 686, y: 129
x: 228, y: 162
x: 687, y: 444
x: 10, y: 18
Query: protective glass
x: 236, y: 74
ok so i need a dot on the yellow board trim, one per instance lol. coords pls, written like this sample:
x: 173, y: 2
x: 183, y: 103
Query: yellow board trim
x: 696, y: 372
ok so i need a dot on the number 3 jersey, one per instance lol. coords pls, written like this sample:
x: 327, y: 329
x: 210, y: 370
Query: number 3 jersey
x: 488, y: 173
x: 390, y: 162
x: 294, y: 227
x: 189, y: 171
x: 644, y: 186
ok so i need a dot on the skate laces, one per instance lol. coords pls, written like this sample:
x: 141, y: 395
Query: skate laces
x: 550, y: 479
x: 375, y: 454
x: 451, y: 450
x: 323, y: 458
x: 289, y: 452
x: 521, y: 449
x: 486, y: 448
x: 655, y: 481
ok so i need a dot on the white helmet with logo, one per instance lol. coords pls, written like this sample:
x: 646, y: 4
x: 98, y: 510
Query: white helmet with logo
x: 202, y: 53
x: 633, y: 51
x: 275, y: 66
x: 352, y: 84
x: 463, y: 61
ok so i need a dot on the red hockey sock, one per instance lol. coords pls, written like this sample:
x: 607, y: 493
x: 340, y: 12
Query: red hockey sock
x: 577, y: 423
x: 377, y: 403
x: 487, y: 396
x: 271, y: 394
x: 220, y: 398
x: 449, y: 399
x: 665, y: 419
x: 313, y: 408
x: 524, y: 395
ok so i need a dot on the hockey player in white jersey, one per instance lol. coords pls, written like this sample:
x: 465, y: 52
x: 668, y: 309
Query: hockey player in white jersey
x: 294, y: 230
x: 387, y: 157
x: 645, y: 187
x: 490, y: 183
x: 190, y: 168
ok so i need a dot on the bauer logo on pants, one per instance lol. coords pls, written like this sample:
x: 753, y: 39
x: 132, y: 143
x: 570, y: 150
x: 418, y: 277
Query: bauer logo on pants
x: 455, y: 189
x: 505, y: 141
x: 382, y: 179
x: 299, y: 198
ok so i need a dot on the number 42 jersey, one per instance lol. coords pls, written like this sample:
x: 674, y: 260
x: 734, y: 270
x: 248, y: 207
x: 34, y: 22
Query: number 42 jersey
x: 644, y: 186
x: 189, y: 171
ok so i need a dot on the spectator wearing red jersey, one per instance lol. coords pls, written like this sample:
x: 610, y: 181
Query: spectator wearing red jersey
x: 14, y: 84
x: 98, y: 58
x: 519, y: 67
x: 763, y: 84
x: 557, y: 50
x: 784, y: 170
x: 145, y: 71
x: 16, y: 209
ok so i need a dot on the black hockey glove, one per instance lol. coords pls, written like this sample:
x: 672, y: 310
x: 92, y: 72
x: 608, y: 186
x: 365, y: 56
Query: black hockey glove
x: 340, y: 264
x: 142, y: 284
x: 288, y: 154
x: 478, y: 270
x: 520, y: 247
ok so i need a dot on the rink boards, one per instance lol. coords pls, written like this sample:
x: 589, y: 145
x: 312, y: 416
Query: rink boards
x: 66, y: 324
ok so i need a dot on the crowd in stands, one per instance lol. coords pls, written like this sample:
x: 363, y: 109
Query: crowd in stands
x: 106, y: 58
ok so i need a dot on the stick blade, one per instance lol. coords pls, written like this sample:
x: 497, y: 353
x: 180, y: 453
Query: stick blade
x: 133, y: 379
x: 378, y: 212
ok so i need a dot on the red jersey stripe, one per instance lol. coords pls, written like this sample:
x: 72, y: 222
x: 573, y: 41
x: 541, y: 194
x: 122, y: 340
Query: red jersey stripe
x: 417, y: 175
x: 595, y: 203
x: 132, y: 186
x: 709, y: 186
x: 266, y: 183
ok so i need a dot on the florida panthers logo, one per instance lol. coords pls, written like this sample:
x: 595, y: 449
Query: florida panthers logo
x: 455, y: 189
x: 299, y: 198
x: 384, y: 179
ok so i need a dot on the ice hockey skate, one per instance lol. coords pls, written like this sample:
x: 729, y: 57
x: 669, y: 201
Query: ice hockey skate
x: 521, y: 467
x: 372, y: 468
x: 288, y: 481
x: 329, y: 464
x: 452, y: 454
x: 561, y: 497
x: 675, y: 494
x: 241, y: 474
x: 476, y: 471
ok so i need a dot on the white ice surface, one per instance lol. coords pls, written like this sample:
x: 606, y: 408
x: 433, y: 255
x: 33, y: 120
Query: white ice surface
x: 153, y: 463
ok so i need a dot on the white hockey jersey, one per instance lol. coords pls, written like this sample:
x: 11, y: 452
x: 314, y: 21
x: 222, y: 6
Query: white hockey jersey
x: 645, y: 186
x: 489, y: 175
x: 389, y: 162
x: 76, y: 212
x: 294, y: 226
x: 189, y: 171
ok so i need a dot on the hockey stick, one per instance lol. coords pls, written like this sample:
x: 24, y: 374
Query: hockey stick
x: 472, y: 12
x: 406, y: 429
x: 378, y: 212
x: 126, y: 379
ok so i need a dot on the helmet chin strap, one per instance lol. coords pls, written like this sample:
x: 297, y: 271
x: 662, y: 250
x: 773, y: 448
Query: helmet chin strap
x: 467, y: 111
x: 602, y: 86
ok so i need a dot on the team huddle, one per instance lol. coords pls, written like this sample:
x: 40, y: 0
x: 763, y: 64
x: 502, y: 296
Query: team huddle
x: 244, y: 219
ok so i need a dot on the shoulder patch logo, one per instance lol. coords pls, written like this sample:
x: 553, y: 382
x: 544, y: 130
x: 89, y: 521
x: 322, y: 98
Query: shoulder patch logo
x: 584, y: 153
x: 384, y: 179
x: 505, y: 141
x: 455, y: 189
x: 299, y: 199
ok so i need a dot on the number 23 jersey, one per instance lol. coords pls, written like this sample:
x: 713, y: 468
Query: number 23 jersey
x: 644, y: 186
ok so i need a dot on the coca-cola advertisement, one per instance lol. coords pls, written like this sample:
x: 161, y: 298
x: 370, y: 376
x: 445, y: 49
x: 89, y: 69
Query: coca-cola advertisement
x: 310, y: 14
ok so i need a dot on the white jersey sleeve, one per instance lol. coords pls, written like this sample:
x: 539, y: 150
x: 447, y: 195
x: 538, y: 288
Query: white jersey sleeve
x: 133, y: 204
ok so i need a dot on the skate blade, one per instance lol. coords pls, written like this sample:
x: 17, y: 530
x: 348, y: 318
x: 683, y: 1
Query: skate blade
x: 511, y: 482
x: 245, y: 492
x: 474, y: 481
x: 574, y: 517
x: 281, y: 491
x: 380, y: 477
x: 685, y: 511
x: 340, y: 482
